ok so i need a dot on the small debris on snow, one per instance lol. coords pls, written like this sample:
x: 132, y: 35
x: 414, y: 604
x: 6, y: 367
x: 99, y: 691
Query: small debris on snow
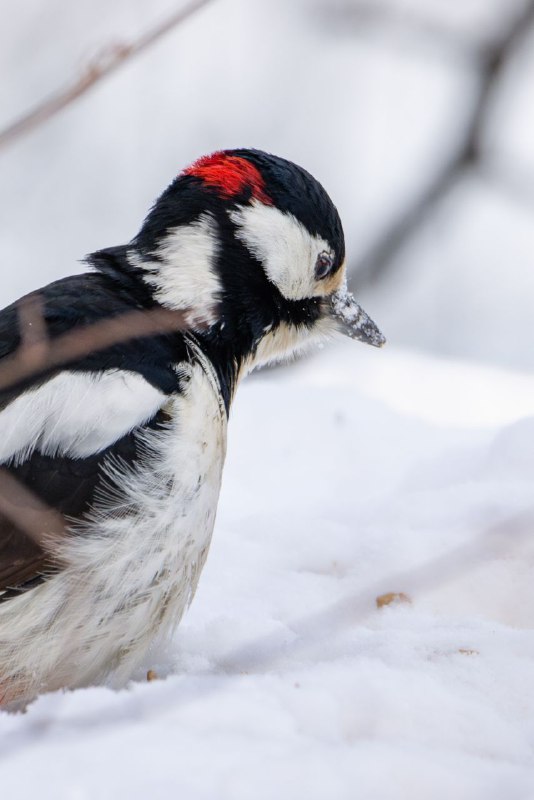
x: 392, y: 597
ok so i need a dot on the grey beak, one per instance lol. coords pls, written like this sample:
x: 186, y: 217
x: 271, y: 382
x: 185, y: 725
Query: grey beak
x: 352, y: 320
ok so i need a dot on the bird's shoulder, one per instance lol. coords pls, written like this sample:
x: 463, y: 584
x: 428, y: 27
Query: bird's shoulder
x: 81, y: 303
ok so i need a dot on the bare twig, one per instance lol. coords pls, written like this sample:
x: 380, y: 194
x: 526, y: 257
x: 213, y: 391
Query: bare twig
x: 109, y: 61
x: 37, y: 354
x: 376, y: 262
x: 516, y: 181
x: 33, y: 334
x: 45, y: 526
x: 45, y: 354
x: 31, y: 321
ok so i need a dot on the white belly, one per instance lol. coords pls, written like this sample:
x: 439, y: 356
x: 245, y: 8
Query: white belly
x: 135, y: 566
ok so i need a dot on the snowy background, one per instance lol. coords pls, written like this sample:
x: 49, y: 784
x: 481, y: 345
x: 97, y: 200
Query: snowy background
x: 352, y: 474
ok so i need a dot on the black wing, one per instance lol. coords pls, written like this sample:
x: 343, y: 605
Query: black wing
x: 82, y: 300
x: 66, y: 484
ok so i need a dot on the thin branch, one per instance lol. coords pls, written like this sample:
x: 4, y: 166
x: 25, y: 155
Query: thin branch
x: 377, y: 261
x: 109, y: 61
x: 38, y: 354
x: 514, y: 180
x: 31, y: 321
x: 45, y: 526
x: 42, y: 355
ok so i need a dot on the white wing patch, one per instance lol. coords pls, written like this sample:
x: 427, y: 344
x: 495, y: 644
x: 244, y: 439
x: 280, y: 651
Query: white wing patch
x: 76, y: 414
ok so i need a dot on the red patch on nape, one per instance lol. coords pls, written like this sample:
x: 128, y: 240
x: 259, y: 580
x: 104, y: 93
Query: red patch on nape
x: 231, y: 175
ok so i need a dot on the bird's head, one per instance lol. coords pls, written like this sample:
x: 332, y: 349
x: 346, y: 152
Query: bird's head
x: 253, y: 246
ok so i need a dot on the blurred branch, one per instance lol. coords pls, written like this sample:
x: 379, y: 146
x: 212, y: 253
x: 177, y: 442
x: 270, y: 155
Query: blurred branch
x: 490, y: 62
x: 517, y: 182
x: 107, y: 62
x: 42, y: 524
x: 38, y: 353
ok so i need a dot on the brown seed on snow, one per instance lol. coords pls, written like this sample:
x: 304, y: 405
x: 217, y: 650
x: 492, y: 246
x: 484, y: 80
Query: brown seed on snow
x: 392, y: 597
x: 152, y: 675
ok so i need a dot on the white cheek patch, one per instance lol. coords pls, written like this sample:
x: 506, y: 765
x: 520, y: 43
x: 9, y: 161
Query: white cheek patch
x: 184, y: 275
x: 77, y: 414
x: 287, y: 251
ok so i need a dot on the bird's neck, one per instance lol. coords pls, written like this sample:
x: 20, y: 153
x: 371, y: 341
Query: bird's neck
x: 246, y: 324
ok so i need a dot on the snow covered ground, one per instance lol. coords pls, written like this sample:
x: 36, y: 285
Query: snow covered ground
x: 350, y: 475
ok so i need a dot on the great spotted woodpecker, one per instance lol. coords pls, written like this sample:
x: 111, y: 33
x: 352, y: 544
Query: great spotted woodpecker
x: 126, y: 443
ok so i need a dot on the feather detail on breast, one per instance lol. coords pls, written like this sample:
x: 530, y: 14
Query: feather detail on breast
x: 133, y: 563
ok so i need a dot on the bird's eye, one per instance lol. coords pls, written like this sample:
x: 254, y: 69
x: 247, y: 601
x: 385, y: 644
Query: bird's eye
x: 323, y: 265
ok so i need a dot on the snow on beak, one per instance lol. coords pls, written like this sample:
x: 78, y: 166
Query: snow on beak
x: 352, y: 320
